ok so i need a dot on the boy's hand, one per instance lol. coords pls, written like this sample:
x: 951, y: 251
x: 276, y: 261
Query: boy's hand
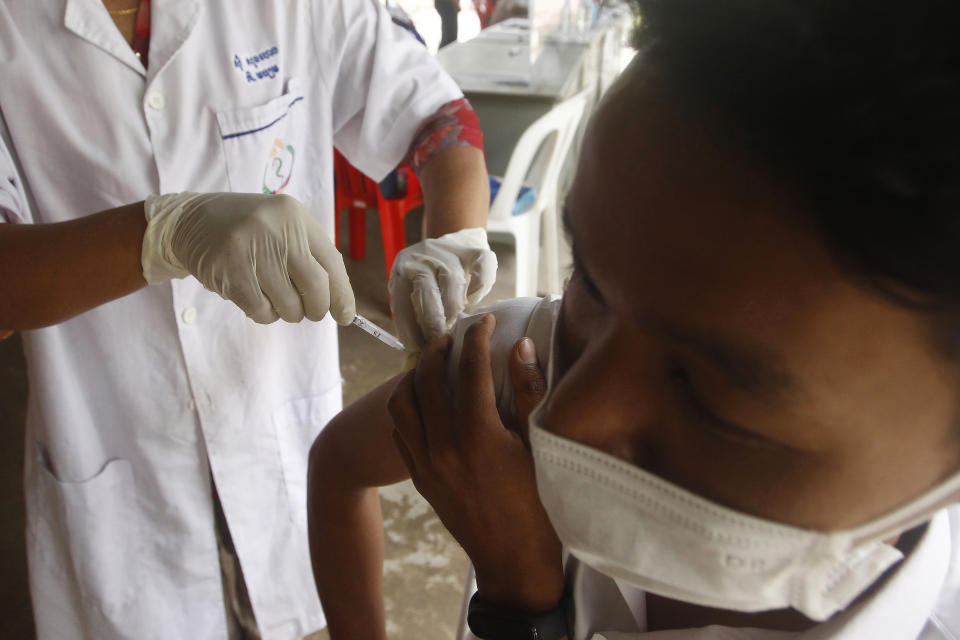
x: 478, y: 475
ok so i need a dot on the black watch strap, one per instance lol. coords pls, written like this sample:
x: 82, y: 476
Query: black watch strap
x: 490, y: 622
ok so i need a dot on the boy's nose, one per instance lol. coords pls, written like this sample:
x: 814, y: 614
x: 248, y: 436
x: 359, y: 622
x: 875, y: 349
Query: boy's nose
x: 610, y: 398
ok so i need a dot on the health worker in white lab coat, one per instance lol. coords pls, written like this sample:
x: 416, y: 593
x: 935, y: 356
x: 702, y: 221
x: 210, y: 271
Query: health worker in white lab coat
x: 742, y: 419
x: 168, y: 425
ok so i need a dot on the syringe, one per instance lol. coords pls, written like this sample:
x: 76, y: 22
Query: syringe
x: 378, y: 333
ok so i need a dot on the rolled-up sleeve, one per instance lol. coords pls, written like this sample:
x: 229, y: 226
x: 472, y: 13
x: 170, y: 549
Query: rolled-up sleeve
x: 12, y: 200
x: 384, y: 84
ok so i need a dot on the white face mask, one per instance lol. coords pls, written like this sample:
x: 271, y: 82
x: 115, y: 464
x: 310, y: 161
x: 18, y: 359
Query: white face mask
x: 638, y: 528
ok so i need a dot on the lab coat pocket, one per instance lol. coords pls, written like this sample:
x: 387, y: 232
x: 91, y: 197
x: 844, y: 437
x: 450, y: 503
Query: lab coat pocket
x: 84, y: 535
x: 265, y: 146
x: 297, y: 424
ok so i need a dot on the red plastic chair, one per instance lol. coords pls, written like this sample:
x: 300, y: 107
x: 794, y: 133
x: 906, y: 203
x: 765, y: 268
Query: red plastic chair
x: 357, y: 193
x: 484, y: 10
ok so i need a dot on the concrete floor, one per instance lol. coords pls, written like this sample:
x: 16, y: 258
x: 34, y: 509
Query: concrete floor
x: 424, y: 569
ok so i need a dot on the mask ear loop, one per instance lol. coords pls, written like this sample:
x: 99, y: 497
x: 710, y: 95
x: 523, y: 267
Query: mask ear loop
x: 915, y: 512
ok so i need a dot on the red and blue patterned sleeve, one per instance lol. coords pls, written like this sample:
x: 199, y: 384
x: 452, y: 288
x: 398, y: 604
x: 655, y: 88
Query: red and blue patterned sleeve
x: 455, y: 124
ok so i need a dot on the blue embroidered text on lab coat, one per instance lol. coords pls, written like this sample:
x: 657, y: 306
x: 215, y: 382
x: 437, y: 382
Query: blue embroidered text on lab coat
x: 256, y: 73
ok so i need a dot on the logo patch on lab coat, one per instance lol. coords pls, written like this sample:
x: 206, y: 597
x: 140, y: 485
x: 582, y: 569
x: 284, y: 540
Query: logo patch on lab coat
x: 276, y: 175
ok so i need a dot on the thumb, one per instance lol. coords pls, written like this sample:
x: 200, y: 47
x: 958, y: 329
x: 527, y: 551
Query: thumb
x: 529, y: 384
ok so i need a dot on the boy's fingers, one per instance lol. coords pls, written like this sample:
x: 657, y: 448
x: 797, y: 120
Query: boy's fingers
x: 430, y: 381
x: 475, y: 393
x: 529, y: 383
x: 405, y: 412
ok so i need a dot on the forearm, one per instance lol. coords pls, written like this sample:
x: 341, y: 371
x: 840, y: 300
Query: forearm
x: 353, y: 455
x: 52, y: 272
x: 346, y: 552
x: 456, y: 191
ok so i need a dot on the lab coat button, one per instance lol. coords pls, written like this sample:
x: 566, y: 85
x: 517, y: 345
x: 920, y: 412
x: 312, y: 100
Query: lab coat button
x: 189, y: 315
x: 156, y: 100
x: 192, y: 405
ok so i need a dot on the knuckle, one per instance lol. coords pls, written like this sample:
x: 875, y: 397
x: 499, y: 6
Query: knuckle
x: 317, y: 282
x: 451, y: 279
x: 337, y: 261
x: 315, y: 315
x: 272, y: 208
x: 233, y: 241
x: 534, y: 384
x: 474, y: 334
x: 260, y: 311
x: 262, y: 319
x: 316, y: 305
x: 262, y: 209
x: 433, y: 350
x: 475, y: 345
x: 314, y: 287
x: 292, y: 317
x: 286, y: 204
x: 243, y: 299
x: 444, y: 461
x: 470, y: 359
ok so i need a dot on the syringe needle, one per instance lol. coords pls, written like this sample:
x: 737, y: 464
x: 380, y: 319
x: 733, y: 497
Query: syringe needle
x: 378, y: 333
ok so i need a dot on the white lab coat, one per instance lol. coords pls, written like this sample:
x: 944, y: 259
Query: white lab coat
x: 920, y: 601
x: 133, y: 405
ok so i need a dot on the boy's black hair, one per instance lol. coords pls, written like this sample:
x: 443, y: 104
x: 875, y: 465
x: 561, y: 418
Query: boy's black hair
x: 857, y: 100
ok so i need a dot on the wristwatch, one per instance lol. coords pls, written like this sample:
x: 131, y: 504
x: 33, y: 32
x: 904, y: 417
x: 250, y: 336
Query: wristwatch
x: 490, y: 622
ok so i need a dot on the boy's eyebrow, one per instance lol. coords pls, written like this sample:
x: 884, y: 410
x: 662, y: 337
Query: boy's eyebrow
x: 751, y: 368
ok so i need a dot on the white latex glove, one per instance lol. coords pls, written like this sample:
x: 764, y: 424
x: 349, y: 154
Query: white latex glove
x: 264, y: 253
x: 432, y: 281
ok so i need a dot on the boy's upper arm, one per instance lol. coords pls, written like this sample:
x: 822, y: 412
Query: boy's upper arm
x: 356, y: 447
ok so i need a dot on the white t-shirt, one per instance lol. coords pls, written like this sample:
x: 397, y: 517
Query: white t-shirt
x: 920, y: 601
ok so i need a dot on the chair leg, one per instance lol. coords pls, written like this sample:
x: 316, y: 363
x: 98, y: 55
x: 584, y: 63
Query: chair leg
x: 358, y: 233
x: 522, y: 250
x: 527, y: 236
x: 551, y: 249
x: 532, y: 228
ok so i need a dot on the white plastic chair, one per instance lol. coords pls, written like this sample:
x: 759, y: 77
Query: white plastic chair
x: 562, y: 120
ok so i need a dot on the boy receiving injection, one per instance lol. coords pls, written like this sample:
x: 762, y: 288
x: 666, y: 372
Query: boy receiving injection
x: 748, y: 418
